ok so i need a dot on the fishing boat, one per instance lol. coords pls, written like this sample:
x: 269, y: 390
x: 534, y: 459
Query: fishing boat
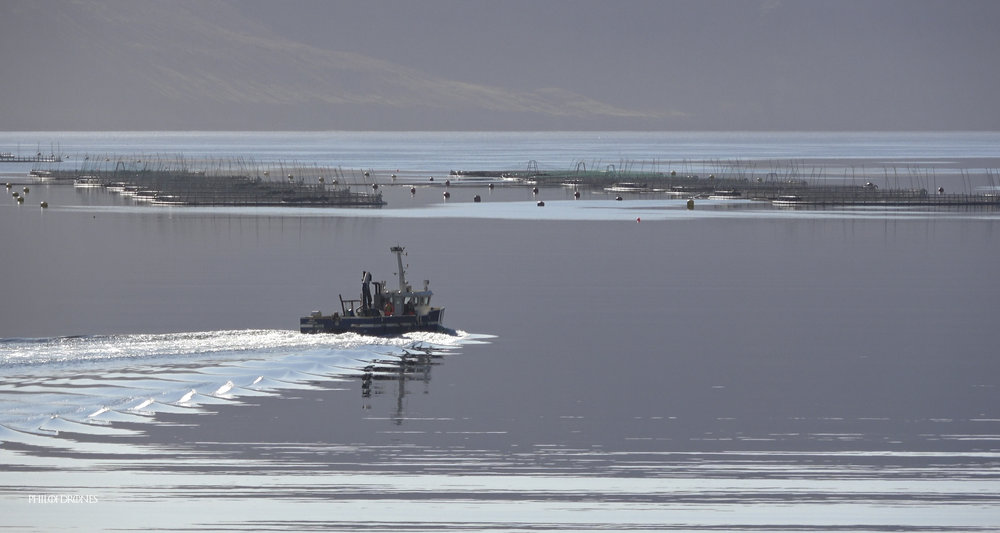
x: 391, y: 312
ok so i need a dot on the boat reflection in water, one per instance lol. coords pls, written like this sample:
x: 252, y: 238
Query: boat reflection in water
x: 414, y: 364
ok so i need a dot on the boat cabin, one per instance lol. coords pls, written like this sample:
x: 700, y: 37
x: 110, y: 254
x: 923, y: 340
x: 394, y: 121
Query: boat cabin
x: 391, y: 311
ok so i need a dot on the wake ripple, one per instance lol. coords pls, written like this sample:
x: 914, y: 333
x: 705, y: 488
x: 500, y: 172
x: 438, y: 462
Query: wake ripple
x: 86, y: 385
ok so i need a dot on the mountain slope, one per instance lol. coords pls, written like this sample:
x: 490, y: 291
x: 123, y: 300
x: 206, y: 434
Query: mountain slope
x: 89, y: 64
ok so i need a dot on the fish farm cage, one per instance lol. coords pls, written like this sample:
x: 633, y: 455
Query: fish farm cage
x: 179, y: 181
x: 785, y: 183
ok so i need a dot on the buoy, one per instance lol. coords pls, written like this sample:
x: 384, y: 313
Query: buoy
x: 8, y: 185
x: 477, y: 199
x: 290, y: 177
x: 267, y: 172
x: 447, y: 183
x: 619, y: 198
x: 540, y: 204
x: 44, y: 204
x: 20, y: 199
x: 26, y: 190
x: 576, y: 194
x: 638, y: 220
x: 940, y: 190
x: 432, y: 178
x: 534, y: 190
x: 690, y: 203
x: 393, y: 176
x: 447, y: 194
x: 16, y: 194
x: 374, y: 186
x: 366, y: 173
x: 413, y: 190
x: 321, y: 180
x: 490, y: 186
x: 673, y: 172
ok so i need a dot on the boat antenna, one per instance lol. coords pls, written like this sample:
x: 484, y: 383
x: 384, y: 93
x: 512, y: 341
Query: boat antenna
x: 398, y: 250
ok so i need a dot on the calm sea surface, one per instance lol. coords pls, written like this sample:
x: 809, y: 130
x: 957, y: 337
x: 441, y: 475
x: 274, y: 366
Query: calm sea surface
x: 443, y: 151
x: 629, y: 365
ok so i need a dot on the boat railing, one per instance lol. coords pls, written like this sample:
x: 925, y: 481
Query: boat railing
x: 349, y: 307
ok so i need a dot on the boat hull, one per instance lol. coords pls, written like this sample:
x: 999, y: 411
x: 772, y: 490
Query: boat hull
x: 373, y: 325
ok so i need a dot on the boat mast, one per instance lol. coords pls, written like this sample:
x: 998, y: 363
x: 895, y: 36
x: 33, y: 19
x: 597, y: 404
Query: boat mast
x: 398, y: 250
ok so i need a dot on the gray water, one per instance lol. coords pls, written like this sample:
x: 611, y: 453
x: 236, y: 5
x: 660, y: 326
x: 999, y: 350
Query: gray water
x: 735, y: 367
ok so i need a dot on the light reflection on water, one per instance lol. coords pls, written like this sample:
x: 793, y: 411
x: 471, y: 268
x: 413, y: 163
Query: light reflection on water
x: 574, y: 210
x: 403, y: 478
x: 701, y: 492
x: 734, y: 367
x: 84, y: 385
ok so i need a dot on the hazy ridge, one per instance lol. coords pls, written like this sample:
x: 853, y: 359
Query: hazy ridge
x: 198, y: 65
